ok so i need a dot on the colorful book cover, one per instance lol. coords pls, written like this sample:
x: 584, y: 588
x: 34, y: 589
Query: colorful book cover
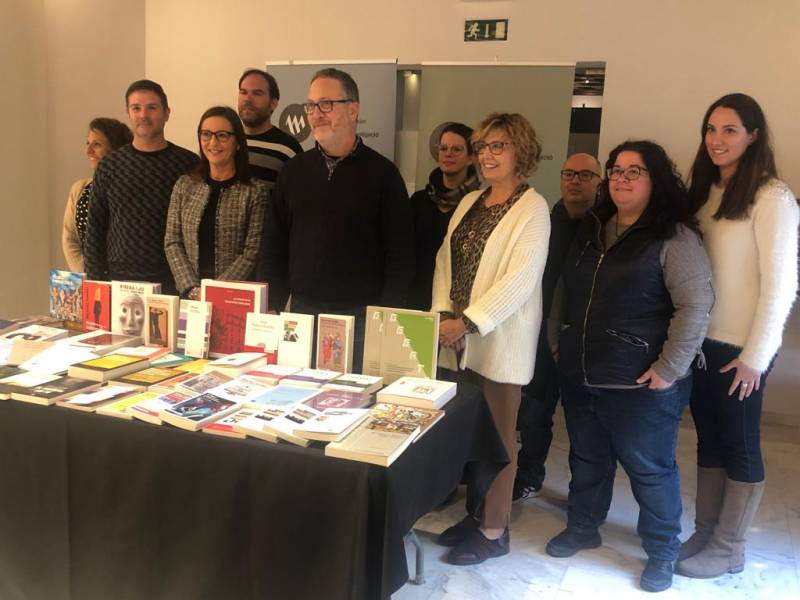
x: 263, y: 334
x: 66, y: 296
x: 127, y: 306
x: 231, y: 301
x: 339, y: 399
x: 335, y: 342
x: 194, y: 328
x: 149, y: 376
x: 296, y: 345
x: 200, y: 407
x: 109, y: 362
x: 96, y: 305
x: 121, y: 408
x: 161, y: 320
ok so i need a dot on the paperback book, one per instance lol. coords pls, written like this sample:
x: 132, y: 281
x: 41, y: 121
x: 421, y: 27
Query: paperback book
x: 243, y: 390
x: 120, y: 408
x: 424, y: 418
x: 161, y: 320
x: 419, y: 393
x: 127, y: 305
x: 57, y: 358
x: 338, y: 399
x: 231, y: 301
x: 96, y: 304
x: 144, y: 379
x: 150, y: 410
x: 263, y: 334
x: 102, y: 342
x: 91, y: 401
x: 253, y: 426
x: 33, y: 333
x: 272, y: 374
x: 66, y: 297
x: 353, y: 382
x: 107, y: 367
x: 193, y: 414
x: 376, y: 441
x: 226, y: 426
x: 296, y: 345
x: 24, y: 379
x: 283, y: 396
x: 335, y: 342
x: 332, y: 424
x: 194, y: 328
x: 204, y: 382
x: 53, y: 391
x: 238, y: 363
x: 311, y: 378
x: 284, y: 426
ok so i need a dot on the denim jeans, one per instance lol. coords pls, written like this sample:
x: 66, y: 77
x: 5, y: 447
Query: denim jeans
x: 638, y: 428
x: 728, y: 429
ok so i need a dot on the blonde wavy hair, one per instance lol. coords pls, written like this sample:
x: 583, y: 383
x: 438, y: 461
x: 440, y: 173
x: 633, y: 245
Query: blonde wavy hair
x: 519, y: 130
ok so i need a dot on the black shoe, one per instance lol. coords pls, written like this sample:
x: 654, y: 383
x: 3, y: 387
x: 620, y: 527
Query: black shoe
x: 657, y: 575
x: 568, y: 542
x: 458, y: 532
x: 476, y: 548
x: 523, y: 491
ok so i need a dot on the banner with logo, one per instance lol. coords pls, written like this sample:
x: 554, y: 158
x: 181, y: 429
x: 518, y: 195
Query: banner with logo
x: 468, y: 92
x: 377, y: 89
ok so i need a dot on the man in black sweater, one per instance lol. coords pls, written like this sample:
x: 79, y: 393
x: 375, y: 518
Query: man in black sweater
x: 580, y: 178
x: 131, y: 193
x: 339, y: 232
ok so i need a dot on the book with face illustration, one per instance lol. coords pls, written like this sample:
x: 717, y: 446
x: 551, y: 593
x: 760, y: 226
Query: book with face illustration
x: 127, y: 306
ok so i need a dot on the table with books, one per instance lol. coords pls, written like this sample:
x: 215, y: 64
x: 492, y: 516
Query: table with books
x: 93, y: 506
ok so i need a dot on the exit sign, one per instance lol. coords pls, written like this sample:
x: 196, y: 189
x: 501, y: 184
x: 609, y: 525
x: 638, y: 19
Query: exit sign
x: 487, y: 30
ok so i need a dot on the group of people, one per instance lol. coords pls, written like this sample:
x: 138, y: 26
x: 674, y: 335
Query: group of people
x: 636, y: 295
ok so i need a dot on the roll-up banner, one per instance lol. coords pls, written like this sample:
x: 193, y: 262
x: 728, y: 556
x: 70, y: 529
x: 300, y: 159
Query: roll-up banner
x: 463, y: 92
x: 377, y: 90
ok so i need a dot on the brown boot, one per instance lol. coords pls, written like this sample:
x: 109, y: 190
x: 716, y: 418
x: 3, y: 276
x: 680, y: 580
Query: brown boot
x: 724, y: 553
x: 708, y: 503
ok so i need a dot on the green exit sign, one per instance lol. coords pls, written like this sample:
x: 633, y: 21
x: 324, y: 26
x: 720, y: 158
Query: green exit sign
x: 486, y: 30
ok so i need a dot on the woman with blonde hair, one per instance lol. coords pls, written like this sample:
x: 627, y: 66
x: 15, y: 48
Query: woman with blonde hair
x: 487, y: 286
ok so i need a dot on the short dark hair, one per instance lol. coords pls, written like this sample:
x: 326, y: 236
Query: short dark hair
x: 117, y: 133
x: 756, y: 166
x: 146, y: 85
x: 465, y: 131
x: 240, y: 158
x: 669, y: 201
x: 348, y: 83
x: 272, y: 83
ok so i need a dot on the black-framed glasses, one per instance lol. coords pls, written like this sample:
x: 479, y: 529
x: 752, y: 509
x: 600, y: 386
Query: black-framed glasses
x: 583, y: 175
x: 325, y: 106
x: 631, y: 173
x: 495, y: 148
x: 221, y: 135
x: 454, y: 149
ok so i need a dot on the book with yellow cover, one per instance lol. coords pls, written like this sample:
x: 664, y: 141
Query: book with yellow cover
x: 108, y: 367
x: 148, y: 377
x: 119, y: 409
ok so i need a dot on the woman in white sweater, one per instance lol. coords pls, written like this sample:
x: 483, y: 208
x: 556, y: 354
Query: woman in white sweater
x: 487, y: 285
x: 749, y: 221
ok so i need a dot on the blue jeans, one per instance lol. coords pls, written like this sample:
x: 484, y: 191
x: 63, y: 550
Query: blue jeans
x: 638, y: 428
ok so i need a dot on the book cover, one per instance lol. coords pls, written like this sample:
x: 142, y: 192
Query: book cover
x: 120, y: 408
x: 52, y: 391
x: 170, y: 360
x: 231, y: 301
x: 127, y: 305
x: 23, y: 350
x: 196, y: 366
x: 148, y: 352
x: 66, y: 296
x: 227, y: 425
x: 271, y: 374
x: 147, y: 377
x: 418, y: 392
x: 102, y: 342
x: 242, y: 390
x: 283, y: 396
x: 332, y: 424
x: 90, y: 401
x: 107, y: 367
x: 57, y: 358
x: 338, y: 399
x: 375, y: 441
x: 96, y: 304
x: 424, y: 418
x: 314, y: 378
x: 355, y: 382
x: 161, y: 320
x: 150, y: 410
x: 263, y: 334
x: 400, y: 342
x: 285, y: 425
x: 194, y: 413
x: 335, y: 342
x: 37, y: 333
x: 296, y: 345
x: 204, y: 382
x: 253, y: 426
x: 194, y: 328
x: 238, y: 363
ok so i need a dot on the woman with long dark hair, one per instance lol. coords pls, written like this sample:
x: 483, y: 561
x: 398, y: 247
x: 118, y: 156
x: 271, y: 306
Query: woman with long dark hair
x: 749, y: 221
x: 216, y: 214
x: 637, y: 295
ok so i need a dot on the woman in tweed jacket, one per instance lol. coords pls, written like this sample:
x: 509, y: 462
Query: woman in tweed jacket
x: 216, y: 214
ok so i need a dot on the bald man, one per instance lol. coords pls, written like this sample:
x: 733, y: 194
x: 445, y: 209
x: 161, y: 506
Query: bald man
x: 580, y: 179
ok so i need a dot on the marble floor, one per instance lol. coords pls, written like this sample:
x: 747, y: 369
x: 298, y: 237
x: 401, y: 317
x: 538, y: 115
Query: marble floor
x: 612, y: 571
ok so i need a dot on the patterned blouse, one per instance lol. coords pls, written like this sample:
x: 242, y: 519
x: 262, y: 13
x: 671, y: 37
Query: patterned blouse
x: 82, y: 212
x: 469, y: 239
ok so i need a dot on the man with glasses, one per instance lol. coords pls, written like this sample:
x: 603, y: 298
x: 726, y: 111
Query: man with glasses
x: 131, y: 194
x: 580, y: 180
x: 339, y: 232
x: 268, y: 146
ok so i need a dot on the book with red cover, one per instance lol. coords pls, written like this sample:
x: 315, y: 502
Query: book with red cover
x: 96, y: 305
x: 231, y: 301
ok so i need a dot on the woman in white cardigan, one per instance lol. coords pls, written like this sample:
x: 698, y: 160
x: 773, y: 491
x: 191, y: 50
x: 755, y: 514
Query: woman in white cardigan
x: 749, y: 222
x: 487, y: 285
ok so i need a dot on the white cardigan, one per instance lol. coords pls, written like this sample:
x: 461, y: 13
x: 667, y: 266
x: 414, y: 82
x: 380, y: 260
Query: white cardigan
x: 506, y: 299
x: 754, y: 264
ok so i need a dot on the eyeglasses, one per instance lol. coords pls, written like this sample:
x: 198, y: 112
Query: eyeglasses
x: 495, y: 148
x: 631, y: 173
x: 222, y: 136
x: 584, y: 175
x: 452, y: 149
x: 324, y: 106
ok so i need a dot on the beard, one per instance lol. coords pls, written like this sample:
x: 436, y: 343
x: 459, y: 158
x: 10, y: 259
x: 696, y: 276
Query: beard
x: 255, y: 118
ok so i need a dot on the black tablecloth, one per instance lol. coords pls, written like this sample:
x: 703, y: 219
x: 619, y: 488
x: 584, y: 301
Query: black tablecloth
x: 97, y: 507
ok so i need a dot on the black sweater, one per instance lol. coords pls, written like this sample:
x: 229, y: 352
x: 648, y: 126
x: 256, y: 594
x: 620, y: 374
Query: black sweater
x: 347, y: 239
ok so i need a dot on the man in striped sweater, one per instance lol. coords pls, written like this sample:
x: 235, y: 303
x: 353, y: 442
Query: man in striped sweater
x: 131, y: 194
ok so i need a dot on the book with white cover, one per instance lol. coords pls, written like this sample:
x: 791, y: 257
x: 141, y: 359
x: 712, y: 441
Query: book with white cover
x: 91, y: 401
x: 285, y: 425
x: 120, y: 408
x: 24, y: 350
x: 102, y: 342
x: 311, y: 378
x: 374, y: 441
x: 272, y: 374
x: 283, y: 396
x: 127, y: 305
x: 350, y: 382
x: 58, y: 358
x: 253, y: 426
x: 237, y: 363
x: 161, y: 320
x: 296, y: 345
x: 242, y: 390
x: 335, y: 342
x: 203, y: 382
x: 226, y: 425
x: 332, y: 424
x: 263, y: 333
x: 29, y: 379
x: 194, y: 328
x: 36, y: 332
x: 148, y: 352
x: 195, y: 413
x: 418, y: 392
x: 150, y: 410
